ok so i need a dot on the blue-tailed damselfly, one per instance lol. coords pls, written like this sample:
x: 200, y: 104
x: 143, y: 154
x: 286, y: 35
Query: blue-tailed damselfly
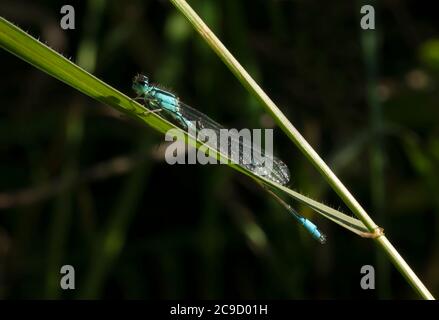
x: 184, y: 116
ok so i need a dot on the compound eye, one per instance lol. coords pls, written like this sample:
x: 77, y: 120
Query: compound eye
x: 141, y: 79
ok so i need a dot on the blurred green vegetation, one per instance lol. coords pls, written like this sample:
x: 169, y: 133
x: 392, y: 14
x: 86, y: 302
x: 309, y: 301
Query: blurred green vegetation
x: 78, y: 186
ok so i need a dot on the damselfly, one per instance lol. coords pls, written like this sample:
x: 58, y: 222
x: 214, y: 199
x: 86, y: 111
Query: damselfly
x: 157, y: 99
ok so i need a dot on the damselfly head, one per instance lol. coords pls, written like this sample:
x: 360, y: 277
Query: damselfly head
x: 140, y: 84
x: 141, y: 79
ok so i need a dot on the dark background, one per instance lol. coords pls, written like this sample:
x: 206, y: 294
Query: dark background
x: 81, y: 184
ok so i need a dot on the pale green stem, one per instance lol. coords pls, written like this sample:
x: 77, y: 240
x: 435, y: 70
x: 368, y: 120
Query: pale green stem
x: 254, y: 89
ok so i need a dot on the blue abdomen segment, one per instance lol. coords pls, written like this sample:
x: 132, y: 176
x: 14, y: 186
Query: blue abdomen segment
x: 312, y: 228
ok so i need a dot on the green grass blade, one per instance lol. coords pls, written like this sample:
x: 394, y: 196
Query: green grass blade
x: 19, y: 43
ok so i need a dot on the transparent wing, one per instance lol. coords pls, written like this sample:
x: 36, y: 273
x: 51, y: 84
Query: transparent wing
x: 243, y: 152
